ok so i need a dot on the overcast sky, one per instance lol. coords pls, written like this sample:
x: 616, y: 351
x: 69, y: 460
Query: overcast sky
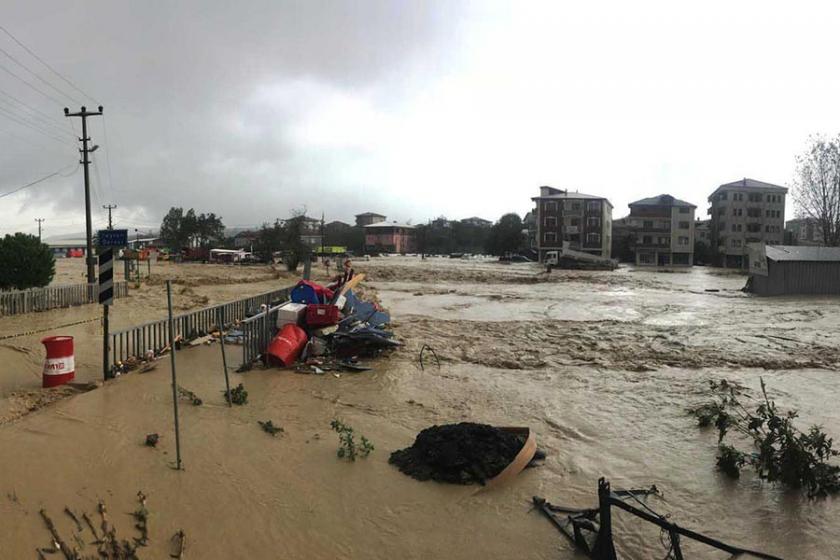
x: 410, y: 109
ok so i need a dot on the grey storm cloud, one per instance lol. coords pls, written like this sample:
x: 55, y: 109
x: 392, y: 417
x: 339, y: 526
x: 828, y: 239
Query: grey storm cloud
x: 184, y: 85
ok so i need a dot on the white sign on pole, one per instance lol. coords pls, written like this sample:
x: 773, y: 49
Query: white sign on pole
x: 757, y: 253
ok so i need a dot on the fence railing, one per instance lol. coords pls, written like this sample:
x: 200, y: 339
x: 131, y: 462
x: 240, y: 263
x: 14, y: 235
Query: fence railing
x: 137, y: 341
x: 53, y: 297
x: 257, y: 332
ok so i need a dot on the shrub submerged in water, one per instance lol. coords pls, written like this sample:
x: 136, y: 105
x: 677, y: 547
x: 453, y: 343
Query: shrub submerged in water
x: 782, y: 454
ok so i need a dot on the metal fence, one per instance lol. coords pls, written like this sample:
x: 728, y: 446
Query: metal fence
x: 53, y: 297
x: 135, y: 342
x: 257, y: 332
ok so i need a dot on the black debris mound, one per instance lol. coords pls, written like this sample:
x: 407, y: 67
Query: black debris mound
x: 464, y: 453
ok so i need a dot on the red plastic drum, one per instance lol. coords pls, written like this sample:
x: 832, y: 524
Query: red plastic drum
x: 60, y: 365
x: 287, y: 345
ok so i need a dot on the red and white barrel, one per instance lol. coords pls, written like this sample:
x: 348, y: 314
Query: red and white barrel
x: 60, y: 365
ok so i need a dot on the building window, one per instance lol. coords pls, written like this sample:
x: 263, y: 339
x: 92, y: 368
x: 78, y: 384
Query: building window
x: 648, y: 224
x: 684, y: 225
x: 647, y: 239
x: 550, y: 222
x: 722, y: 196
x: 593, y: 205
x: 550, y: 206
x: 682, y: 240
x: 593, y: 237
x: 738, y: 196
x: 684, y: 209
x: 754, y: 212
x: 754, y: 228
x: 645, y: 258
x: 593, y: 222
x: 574, y: 221
x: 550, y: 237
x: 575, y: 206
x: 736, y: 242
x: 721, y: 211
x: 737, y: 211
x: 755, y: 197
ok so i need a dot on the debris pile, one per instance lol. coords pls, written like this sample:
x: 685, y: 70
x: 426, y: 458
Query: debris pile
x: 464, y: 453
x: 322, y: 330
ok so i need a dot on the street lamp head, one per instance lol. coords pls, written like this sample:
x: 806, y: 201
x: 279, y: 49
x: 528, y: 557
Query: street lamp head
x: 83, y: 109
x: 100, y: 108
x: 66, y: 111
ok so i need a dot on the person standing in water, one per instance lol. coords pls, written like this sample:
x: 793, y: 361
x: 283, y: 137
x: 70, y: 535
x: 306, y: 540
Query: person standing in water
x: 345, y: 276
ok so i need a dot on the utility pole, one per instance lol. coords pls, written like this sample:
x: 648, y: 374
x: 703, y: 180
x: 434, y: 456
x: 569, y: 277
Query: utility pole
x: 110, y: 207
x: 84, y: 114
x: 39, y: 220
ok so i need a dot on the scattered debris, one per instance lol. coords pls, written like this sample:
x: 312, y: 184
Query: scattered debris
x: 269, y: 427
x: 152, y: 439
x: 432, y: 350
x: 72, y: 516
x: 237, y: 395
x: 141, y: 516
x: 591, y: 529
x: 179, y: 542
x: 346, y: 438
x: 464, y: 453
x: 189, y: 395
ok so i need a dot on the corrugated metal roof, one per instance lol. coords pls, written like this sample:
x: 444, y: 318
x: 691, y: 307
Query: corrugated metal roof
x: 662, y: 200
x: 802, y: 253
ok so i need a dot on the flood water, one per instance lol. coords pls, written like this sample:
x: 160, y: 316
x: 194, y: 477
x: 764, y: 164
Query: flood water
x: 564, y: 355
x: 601, y: 365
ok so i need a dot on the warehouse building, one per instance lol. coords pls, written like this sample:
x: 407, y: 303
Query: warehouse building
x: 794, y: 270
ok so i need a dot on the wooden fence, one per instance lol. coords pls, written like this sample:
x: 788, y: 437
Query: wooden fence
x: 53, y: 297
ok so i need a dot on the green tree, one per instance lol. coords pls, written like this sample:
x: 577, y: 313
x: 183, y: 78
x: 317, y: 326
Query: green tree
x: 506, y: 235
x: 269, y: 240
x: 172, y: 230
x: 25, y: 262
x: 181, y: 229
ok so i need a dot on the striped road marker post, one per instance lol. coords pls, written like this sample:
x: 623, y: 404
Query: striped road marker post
x: 106, y: 299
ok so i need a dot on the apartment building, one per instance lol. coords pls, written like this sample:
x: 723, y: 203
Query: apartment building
x: 742, y: 212
x: 804, y: 231
x: 664, y: 231
x: 583, y: 220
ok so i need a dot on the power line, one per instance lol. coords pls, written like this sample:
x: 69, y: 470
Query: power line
x: 42, y: 61
x: 107, y: 155
x: 12, y: 117
x: 47, y: 95
x: 32, y: 109
x: 22, y: 65
x: 41, y: 180
x: 55, y: 128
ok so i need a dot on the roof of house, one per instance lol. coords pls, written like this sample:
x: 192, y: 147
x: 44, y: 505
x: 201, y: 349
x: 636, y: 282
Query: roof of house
x: 389, y: 224
x: 476, y: 219
x: 662, y: 200
x: 747, y: 183
x: 802, y: 253
x: 563, y: 195
x: 367, y: 214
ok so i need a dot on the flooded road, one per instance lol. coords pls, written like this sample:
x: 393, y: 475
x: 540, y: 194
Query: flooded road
x: 602, y: 366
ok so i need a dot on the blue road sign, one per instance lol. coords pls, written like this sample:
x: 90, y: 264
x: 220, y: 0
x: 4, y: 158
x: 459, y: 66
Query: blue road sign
x: 112, y: 237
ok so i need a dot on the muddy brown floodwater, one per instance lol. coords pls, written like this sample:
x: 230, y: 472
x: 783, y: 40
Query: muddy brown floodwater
x: 601, y: 365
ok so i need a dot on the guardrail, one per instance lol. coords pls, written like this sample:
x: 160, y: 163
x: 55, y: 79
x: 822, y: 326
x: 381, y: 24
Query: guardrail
x: 257, y: 332
x: 53, y: 297
x: 137, y: 341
